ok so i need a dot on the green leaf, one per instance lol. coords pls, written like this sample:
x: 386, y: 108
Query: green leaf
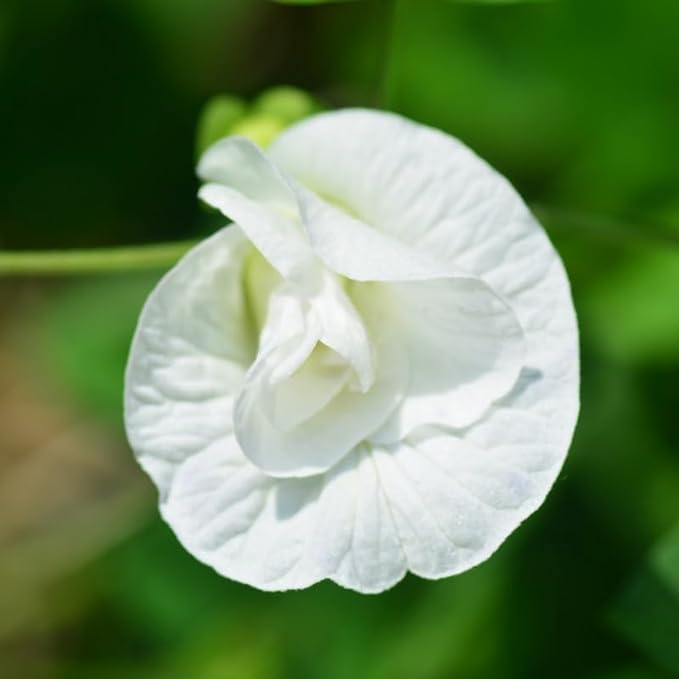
x: 648, y: 616
x: 665, y: 561
x: 633, y: 313
x: 647, y: 613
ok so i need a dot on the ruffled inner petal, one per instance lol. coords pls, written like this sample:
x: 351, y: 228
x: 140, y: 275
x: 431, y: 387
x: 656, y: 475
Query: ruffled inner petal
x: 246, y: 187
x: 305, y: 404
x: 287, y: 403
x: 344, y: 330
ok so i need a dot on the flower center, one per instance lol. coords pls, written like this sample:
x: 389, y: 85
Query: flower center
x: 293, y: 400
x: 321, y: 381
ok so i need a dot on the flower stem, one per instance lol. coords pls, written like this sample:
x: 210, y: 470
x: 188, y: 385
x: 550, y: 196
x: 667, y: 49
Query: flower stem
x: 75, y: 262
x: 164, y: 255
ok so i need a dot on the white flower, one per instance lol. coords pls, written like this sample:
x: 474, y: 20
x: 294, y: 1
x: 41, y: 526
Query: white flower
x: 374, y: 370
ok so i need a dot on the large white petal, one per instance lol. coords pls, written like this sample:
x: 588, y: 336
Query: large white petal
x: 246, y: 525
x: 190, y: 352
x: 403, y: 179
x: 436, y: 506
x: 454, y: 502
x: 279, y: 534
x: 427, y: 190
x: 464, y: 344
x: 361, y: 252
x: 487, y: 478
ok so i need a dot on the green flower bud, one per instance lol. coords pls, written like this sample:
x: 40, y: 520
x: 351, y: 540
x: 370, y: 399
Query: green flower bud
x: 218, y: 117
x: 287, y: 103
x: 260, y: 128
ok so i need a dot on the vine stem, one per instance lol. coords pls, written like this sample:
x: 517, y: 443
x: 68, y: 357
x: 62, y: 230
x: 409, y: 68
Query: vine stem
x: 164, y: 255
x: 97, y: 260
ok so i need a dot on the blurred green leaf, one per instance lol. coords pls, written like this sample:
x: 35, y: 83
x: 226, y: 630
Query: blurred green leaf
x: 665, y: 561
x: 191, y: 36
x: 647, y: 613
x: 648, y: 616
x: 228, y: 650
x: 633, y: 313
x: 5, y: 18
x: 85, y: 334
x: 161, y: 591
x: 465, y: 640
x: 631, y: 672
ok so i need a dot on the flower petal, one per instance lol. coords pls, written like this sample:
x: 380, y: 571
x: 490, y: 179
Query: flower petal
x: 435, y: 506
x: 454, y: 502
x: 360, y: 252
x: 355, y: 540
x: 191, y: 350
x: 405, y: 180
x: 344, y: 330
x: 246, y: 187
x: 330, y: 413
x: 465, y: 347
x: 246, y: 525
x: 292, y: 401
x: 431, y: 193
x: 443, y: 498
x: 279, y: 534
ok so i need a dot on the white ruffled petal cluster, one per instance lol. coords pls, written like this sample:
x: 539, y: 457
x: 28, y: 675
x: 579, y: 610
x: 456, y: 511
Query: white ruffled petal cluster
x: 373, y: 370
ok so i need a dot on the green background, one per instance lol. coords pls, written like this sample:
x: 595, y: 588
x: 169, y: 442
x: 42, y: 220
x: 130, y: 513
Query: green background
x: 577, y: 103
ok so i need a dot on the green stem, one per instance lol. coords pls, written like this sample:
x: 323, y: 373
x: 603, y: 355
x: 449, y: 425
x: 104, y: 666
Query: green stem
x: 73, y: 262
x: 164, y: 255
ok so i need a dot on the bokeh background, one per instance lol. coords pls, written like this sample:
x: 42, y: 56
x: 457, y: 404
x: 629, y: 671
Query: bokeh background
x: 577, y: 102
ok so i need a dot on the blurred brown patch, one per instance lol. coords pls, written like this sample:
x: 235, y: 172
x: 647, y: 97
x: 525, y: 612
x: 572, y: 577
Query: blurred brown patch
x: 69, y: 491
